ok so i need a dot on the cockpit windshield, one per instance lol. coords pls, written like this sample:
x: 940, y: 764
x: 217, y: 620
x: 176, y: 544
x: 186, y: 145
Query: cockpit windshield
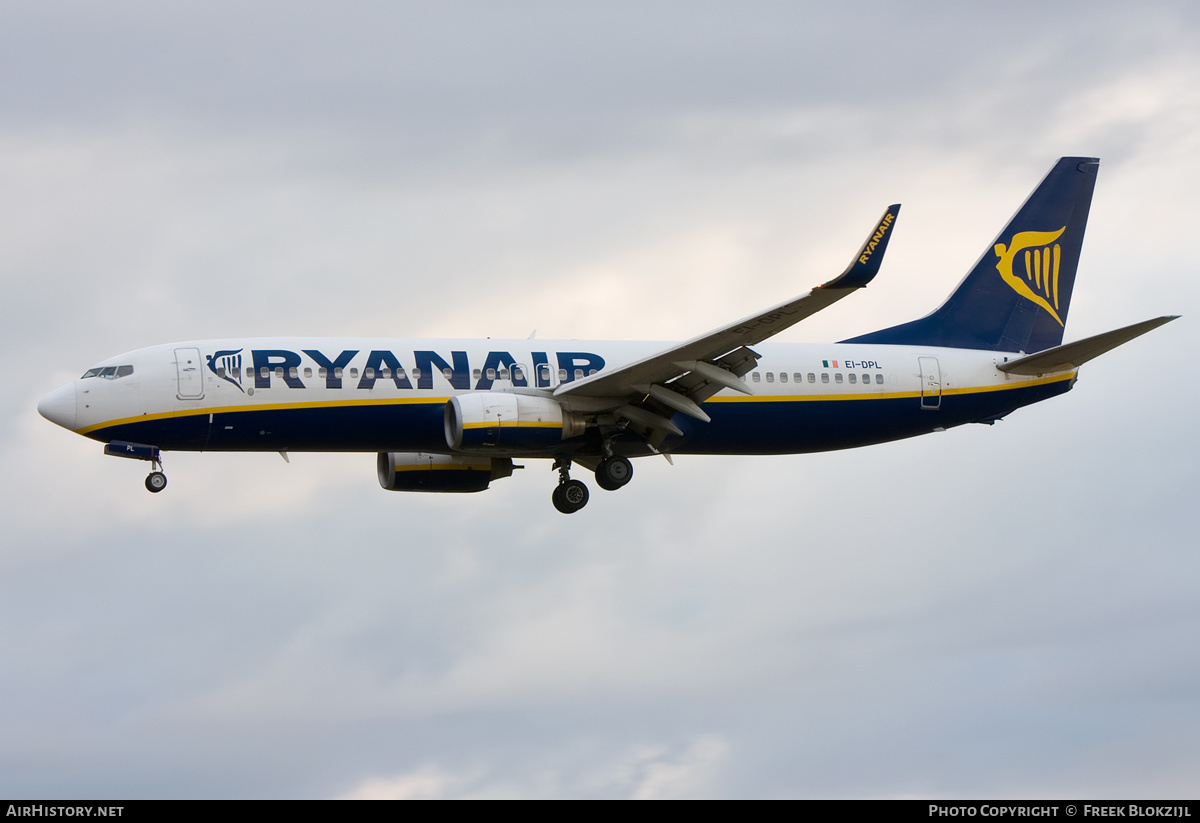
x: 108, y: 372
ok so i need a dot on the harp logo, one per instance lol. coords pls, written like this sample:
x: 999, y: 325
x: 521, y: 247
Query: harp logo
x: 1030, y: 266
x: 227, y: 365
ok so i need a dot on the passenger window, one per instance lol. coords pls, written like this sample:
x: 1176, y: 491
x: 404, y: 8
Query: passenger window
x: 783, y: 377
x: 879, y: 379
x: 866, y: 379
x: 491, y: 374
x: 579, y: 374
x: 824, y: 377
x: 853, y: 378
x: 448, y: 374
x: 385, y: 373
x: 476, y: 374
x: 798, y: 377
x: 562, y: 375
x: 590, y: 373
x: 279, y: 372
x: 263, y: 373
x: 250, y: 371
x: 292, y: 372
x: 353, y: 374
x: 516, y: 373
x: 337, y: 372
x: 220, y: 371
x: 812, y: 378
x: 308, y: 371
x: 755, y: 377
x: 770, y: 377
x: 369, y: 373
x: 504, y: 374
x: 837, y: 378
x: 322, y: 372
x: 545, y: 372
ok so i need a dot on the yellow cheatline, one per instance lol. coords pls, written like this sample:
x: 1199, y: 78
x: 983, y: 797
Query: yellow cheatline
x: 439, y: 467
x: 509, y: 424
x: 1022, y: 385
x: 317, y: 404
x: 808, y: 398
x: 438, y: 401
x: 788, y: 398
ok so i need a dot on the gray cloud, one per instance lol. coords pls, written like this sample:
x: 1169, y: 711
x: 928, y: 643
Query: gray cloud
x: 1003, y: 611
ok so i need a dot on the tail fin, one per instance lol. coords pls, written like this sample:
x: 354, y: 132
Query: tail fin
x: 1017, y: 296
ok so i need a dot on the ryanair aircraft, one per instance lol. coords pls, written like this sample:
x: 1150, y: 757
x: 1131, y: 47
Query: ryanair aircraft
x: 452, y: 415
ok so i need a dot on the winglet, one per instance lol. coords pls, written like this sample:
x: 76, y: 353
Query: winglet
x: 865, y: 265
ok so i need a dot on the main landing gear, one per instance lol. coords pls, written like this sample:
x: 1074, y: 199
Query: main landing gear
x: 570, y: 496
x: 614, y: 472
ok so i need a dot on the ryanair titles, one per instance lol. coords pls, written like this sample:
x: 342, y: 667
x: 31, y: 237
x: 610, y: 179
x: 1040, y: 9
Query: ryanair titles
x: 348, y: 369
x: 876, y: 238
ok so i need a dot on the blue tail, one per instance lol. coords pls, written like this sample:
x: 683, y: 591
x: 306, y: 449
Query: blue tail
x: 1017, y: 296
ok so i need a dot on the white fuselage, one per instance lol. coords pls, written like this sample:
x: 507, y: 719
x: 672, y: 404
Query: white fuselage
x: 360, y: 394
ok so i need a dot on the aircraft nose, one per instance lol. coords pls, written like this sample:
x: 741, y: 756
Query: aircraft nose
x: 59, y: 406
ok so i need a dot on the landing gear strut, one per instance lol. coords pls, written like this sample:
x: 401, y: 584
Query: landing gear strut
x: 570, y: 495
x: 156, y: 481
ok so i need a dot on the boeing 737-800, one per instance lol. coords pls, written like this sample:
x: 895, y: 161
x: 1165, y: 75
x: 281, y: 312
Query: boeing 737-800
x: 452, y: 415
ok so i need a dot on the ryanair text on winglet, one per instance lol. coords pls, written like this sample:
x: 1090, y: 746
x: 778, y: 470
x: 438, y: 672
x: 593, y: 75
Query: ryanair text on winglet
x: 877, y: 237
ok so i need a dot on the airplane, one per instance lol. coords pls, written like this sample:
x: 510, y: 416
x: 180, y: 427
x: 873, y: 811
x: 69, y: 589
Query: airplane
x: 452, y: 415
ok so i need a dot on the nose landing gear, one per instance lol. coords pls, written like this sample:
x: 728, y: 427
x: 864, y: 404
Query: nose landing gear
x: 156, y: 481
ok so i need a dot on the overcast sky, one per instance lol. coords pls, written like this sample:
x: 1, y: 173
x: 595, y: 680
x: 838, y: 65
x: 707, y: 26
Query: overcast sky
x: 1006, y: 611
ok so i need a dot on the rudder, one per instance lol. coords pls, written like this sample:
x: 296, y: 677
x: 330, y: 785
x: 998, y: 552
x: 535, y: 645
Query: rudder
x: 1017, y: 296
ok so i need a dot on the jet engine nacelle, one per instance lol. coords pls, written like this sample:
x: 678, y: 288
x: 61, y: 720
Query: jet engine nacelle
x: 421, y: 472
x: 506, y: 422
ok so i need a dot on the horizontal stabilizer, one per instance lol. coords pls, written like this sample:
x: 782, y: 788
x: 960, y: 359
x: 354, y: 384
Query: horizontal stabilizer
x: 1073, y: 355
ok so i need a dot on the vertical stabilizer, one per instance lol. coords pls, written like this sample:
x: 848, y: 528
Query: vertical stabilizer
x: 1017, y: 296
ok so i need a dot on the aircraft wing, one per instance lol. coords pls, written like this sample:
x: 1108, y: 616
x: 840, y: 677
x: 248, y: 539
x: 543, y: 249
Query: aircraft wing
x: 727, y: 348
x: 681, y: 377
